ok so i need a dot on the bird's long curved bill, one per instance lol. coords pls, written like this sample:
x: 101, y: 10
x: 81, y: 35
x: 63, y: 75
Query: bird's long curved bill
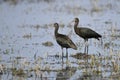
x: 72, y: 22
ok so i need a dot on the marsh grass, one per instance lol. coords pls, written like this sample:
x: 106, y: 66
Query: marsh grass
x: 27, y: 36
x: 88, y: 65
x: 101, y: 66
x: 48, y: 43
x: 97, y: 65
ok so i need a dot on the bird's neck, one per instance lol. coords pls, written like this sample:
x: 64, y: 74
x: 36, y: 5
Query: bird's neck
x: 56, y: 30
x: 75, y: 26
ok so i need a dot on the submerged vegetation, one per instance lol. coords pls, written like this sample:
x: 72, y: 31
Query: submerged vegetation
x: 40, y: 68
x: 48, y: 43
x: 29, y: 50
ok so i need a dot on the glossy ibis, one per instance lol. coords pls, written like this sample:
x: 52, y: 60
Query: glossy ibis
x: 63, y: 40
x: 85, y: 33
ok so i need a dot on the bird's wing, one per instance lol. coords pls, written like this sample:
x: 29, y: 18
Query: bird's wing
x: 89, y: 33
x: 65, y: 40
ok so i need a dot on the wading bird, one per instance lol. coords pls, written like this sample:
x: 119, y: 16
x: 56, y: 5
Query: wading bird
x: 63, y: 40
x: 85, y: 33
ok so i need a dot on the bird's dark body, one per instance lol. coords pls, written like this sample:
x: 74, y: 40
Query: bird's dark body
x: 64, y: 41
x: 87, y: 33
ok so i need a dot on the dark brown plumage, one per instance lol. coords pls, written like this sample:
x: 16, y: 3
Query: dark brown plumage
x: 63, y: 40
x: 85, y: 33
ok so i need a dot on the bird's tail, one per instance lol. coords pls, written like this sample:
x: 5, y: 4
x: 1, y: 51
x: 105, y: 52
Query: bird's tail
x: 74, y: 46
x: 100, y: 40
x: 98, y: 36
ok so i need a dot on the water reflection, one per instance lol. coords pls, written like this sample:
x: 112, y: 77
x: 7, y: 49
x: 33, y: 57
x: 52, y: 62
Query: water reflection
x: 55, y: 68
x: 67, y: 72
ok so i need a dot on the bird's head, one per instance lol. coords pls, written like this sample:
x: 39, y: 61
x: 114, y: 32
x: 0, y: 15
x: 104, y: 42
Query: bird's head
x: 76, y: 20
x: 56, y: 25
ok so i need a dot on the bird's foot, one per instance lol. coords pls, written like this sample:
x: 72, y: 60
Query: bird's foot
x: 64, y: 56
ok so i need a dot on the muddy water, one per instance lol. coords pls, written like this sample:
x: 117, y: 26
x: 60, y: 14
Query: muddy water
x: 28, y: 49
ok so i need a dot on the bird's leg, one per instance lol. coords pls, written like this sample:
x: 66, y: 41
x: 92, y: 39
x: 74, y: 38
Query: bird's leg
x: 62, y: 51
x: 85, y: 49
x: 67, y: 53
x: 101, y: 42
x: 87, y: 46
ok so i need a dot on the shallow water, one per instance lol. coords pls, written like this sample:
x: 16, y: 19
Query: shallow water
x: 28, y: 49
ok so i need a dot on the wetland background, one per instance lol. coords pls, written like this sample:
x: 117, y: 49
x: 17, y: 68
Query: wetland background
x: 28, y: 49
